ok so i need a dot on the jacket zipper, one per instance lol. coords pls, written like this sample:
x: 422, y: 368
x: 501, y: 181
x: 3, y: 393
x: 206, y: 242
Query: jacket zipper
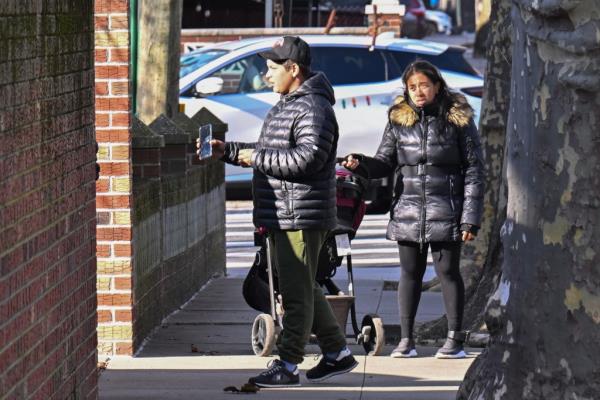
x: 424, y: 128
x: 286, y: 200
x: 452, y: 193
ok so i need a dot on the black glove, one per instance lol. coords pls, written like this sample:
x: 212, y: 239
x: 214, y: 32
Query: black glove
x: 469, y: 228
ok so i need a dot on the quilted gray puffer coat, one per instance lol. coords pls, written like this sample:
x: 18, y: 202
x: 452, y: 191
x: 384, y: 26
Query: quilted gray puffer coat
x: 433, y: 200
x: 293, y: 185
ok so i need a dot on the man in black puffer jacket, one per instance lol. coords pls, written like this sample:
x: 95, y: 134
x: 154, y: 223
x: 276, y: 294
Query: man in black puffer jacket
x: 293, y: 188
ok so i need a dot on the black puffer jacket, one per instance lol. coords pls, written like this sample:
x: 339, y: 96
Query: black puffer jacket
x: 293, y: 185
x: 433, y: 200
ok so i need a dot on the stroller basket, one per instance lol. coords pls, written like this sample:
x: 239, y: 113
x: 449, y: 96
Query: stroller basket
x: 340, y: 304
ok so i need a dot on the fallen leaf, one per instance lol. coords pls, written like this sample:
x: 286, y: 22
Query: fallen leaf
x: 249, y: 388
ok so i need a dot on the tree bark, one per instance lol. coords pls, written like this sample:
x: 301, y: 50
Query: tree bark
x: 480, y: 264
x: 544, y: 317
x: 483, y: 256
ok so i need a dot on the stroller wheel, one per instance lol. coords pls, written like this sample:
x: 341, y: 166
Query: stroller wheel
x: 263, y: 335
x: 372, y: 334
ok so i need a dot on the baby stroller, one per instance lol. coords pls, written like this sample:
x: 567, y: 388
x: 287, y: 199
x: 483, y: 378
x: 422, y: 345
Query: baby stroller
x: 260, y: 287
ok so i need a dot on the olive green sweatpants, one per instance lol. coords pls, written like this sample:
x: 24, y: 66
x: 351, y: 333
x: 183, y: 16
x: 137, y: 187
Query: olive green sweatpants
x: 295, y: 255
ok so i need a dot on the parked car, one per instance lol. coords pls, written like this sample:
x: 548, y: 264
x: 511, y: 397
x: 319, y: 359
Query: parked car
x: 414, y: 24
x: 227, y: 79
x: 438, y: 22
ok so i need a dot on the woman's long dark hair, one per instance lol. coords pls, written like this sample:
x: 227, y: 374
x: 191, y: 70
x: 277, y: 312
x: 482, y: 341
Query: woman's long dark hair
x: 444, y: 96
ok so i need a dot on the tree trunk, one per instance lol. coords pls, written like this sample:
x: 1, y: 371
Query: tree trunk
x: 480, y: 264
x: 544, y: 317
x: 483, y: 255
x: 158, y: 58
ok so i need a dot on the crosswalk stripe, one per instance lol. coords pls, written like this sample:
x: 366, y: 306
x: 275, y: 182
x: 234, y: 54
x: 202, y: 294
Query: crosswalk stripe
x: 355, y: 262
x: 370, y: 248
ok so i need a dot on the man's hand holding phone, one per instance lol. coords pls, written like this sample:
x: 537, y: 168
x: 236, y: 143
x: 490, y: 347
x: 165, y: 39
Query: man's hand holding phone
x: 217, y: 148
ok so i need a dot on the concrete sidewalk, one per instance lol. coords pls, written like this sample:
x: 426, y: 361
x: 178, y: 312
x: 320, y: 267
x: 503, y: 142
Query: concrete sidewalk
x: 216, y: 323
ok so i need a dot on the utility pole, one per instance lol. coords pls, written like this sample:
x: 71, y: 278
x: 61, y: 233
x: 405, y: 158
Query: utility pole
x: 318, y: 13
x: 268, y: 13
x: 459, y: 22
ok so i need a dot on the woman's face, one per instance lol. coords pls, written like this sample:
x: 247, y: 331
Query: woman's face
x: 421, y: 89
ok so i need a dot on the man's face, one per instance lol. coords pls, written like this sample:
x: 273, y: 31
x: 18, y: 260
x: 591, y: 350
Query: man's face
x: 279, y: 77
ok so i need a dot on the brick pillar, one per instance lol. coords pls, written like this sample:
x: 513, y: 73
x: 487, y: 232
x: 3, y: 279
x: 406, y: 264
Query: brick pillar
x: 389, y: 16
x: 113, y: 133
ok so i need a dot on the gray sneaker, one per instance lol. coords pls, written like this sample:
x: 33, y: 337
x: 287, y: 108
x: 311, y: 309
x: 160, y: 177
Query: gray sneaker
x: 453, y: 347
x: 405, y: 349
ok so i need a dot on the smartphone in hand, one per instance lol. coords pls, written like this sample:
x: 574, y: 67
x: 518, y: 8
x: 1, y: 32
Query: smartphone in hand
x: 205, y: 138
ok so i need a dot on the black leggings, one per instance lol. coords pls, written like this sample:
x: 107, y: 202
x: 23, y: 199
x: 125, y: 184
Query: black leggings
x: 413, y: 261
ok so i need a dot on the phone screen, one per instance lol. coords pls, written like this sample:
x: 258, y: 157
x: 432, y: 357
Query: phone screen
x: 205, y: 138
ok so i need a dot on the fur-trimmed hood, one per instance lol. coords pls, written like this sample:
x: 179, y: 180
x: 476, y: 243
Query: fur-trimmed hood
x: 459, y: 113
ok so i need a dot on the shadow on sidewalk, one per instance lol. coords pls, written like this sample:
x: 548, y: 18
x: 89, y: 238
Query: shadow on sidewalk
x: 217, y: 323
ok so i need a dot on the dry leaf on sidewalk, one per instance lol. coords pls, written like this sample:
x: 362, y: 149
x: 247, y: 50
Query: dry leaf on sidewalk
x: 247, y: 388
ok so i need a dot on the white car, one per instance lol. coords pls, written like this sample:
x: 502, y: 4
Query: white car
x: 438, y: 22
x: 227, y: 79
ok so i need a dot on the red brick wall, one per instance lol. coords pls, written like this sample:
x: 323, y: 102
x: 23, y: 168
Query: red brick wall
x: 113, y: 123
x: 47, y: 201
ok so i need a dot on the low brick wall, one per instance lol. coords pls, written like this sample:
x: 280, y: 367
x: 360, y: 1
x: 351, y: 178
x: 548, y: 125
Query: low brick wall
x: 178, y: 218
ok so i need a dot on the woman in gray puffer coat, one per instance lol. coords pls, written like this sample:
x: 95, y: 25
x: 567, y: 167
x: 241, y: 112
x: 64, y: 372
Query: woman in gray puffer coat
x: 431, y: 142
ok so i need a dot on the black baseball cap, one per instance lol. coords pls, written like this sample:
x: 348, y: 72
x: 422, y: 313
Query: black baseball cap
x: 289, y: 48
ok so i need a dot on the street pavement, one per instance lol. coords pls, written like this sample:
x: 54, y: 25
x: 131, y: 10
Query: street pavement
x: 373, y: 256
x: 465, y: 39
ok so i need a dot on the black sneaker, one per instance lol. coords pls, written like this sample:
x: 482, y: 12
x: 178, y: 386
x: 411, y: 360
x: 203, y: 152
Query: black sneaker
x: 277, y: 375
x: 405, y: 349
x: 453, y: 347
x: 326, y: 368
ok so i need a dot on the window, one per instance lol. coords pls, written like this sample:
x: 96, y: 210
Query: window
x: 349, y: 65
x: 242, y: 76
x: 450, y: 60
x: 192, y: 61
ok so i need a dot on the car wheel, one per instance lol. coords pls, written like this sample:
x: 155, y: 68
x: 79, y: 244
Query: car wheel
x: 431, y: 28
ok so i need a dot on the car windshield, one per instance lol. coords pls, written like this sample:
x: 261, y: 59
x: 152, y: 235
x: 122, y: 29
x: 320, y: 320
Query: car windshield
x: 192, y: 61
